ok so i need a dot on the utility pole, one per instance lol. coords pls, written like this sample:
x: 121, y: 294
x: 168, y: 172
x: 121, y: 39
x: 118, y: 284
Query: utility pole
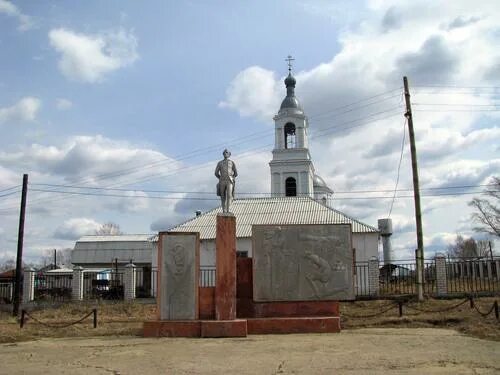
x: 20, y: 237
x: 416, y: 195
x: 55, y: 259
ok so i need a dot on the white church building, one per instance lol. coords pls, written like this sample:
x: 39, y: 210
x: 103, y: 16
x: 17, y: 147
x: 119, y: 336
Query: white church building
x: 298, y: 196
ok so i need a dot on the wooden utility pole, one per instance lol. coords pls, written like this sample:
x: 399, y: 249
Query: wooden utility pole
x: 19, y: 260
x: 416, y: 193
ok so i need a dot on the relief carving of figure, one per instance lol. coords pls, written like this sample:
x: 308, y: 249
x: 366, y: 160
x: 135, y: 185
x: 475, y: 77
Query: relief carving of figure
x: 178, y: 267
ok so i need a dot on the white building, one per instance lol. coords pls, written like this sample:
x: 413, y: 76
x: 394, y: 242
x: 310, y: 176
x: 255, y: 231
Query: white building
x: 107, y: 252
x: 279, y: 210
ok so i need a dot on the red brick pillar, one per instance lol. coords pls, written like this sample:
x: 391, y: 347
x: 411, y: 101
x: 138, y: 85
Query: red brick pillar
x: 225, y: 249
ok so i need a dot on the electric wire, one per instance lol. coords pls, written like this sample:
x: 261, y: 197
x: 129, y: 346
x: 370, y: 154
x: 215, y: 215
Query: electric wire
x: 399, y: 167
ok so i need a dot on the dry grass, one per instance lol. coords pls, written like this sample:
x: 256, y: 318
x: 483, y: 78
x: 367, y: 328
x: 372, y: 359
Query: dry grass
x: 463, y: 318
x: 122, y: 318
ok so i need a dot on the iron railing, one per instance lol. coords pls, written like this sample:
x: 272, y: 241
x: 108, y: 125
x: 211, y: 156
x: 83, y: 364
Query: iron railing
x: 53, y: 287
x: 146, y: 282
x: 473, y: 275
x: 207, y: 276
x: 97, y: 285
x: 6, y: 292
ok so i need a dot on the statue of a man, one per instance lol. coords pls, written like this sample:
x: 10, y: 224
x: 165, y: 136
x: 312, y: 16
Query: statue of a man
x: 226, y: 173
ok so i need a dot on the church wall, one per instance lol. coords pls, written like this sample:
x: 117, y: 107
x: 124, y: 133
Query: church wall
x: 366, y: 245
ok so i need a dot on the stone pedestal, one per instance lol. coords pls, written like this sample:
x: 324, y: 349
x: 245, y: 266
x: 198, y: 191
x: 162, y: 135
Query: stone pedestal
x: 225, y: 287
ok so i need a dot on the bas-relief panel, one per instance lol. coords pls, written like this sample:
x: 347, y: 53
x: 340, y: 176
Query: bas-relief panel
x: 302, y: 262
x: 178, y: 284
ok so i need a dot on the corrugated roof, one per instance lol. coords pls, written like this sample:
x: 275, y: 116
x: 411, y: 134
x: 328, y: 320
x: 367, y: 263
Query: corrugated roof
x: 116, y: 238
x: 268, y: 211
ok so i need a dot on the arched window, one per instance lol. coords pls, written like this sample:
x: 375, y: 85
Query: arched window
x: 290, y: 187
x: 290, y: 141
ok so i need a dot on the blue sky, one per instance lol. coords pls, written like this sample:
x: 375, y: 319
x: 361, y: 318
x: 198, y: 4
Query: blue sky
x: 95, y: 88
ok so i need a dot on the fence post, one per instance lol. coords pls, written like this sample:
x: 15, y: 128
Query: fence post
x: 29, y: 285
x: 497, y: 269
x: 77, y: 284
x: 488, y: 269
x: 481, y: 269
x: 129, y: 282
x: 373, y: 276
x: 441, y: 281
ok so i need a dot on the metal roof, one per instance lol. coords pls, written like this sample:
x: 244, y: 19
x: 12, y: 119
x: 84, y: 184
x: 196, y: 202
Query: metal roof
x: 268, y: 211
x: 117, y: 238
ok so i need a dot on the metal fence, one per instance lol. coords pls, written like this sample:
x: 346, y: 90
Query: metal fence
x: 146, y: 282
x: 105, y: 285
x: 6, y: 292
x: 473, y: 275
x: 400, y: 277
x: 207, y: 276
x: 53, y: 287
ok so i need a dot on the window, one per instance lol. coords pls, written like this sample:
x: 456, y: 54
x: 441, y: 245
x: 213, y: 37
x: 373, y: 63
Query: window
x: 290, y: 141
x: 242, y: 254
x: 290, y: 187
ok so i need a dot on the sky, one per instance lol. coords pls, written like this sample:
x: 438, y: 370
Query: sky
x: 120, y: 110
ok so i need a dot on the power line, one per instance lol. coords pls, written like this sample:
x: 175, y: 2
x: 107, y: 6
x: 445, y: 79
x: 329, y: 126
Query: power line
x: 251, y: 193
x: 10, y: 188
x: 458, y: 105
x: 322, y: 132
x: 457, y: 110
x: 11, y: 193
x: 399, y: 167
x: 353, y: 109
x: 217, y: 199
x: 457, y: 87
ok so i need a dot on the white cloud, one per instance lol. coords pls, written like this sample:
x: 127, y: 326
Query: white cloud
x: 439, y: 43
x: 91, y: 158
x: 63, y: 104
x: 25, y: 22
x: 88, y: 58
x: 253, y: 92
x: 25, y: 109
x: 75, y: 228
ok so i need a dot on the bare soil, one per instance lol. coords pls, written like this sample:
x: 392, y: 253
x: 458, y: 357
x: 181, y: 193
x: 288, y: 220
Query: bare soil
x: 368, y: 344
x: 358, y: 351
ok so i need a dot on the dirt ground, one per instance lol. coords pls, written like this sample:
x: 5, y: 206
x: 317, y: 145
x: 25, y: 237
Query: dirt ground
x: 354, y: 351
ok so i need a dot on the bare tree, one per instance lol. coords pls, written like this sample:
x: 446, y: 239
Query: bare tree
x: 468, y: 248
x: 62, y: 257
x: 487, y: 210
x: 108, y: 228
x: 8, y: 264
x: 463, y: 248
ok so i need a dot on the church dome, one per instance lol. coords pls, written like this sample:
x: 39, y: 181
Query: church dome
x: 290, y: 102
x: 320, y: 184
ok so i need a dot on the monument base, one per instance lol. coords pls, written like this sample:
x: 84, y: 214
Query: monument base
x: 172, y: 328
x: 224, y: 328
x: 195, y: 328
x: 263, y: 326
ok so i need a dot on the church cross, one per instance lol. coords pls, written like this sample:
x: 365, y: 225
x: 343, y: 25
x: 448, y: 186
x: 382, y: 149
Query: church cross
x: 289, y: 59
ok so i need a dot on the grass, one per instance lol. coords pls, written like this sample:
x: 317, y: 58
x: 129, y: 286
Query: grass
x: 123, y: 318
x: 463, y: 318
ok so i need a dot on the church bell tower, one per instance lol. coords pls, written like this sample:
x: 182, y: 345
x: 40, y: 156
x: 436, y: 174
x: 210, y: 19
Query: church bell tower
x: 292, y: 171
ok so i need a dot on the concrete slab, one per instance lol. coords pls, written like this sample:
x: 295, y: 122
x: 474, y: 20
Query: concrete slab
x: 302, y: 262
x: 178, y: 264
